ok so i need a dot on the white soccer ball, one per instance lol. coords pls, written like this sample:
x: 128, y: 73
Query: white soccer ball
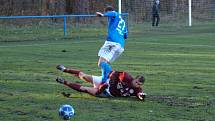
x: 66, y: 112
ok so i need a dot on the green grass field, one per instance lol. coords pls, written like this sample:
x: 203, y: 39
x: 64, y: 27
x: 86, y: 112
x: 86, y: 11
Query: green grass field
x: 178, y: 64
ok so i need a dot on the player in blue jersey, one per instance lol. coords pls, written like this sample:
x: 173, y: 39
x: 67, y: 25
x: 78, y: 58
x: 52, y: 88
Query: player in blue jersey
x: 115, y: 42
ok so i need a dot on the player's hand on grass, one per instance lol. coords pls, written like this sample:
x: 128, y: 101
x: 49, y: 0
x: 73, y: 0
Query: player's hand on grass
x: 99, y: 14
x: 141, y: 96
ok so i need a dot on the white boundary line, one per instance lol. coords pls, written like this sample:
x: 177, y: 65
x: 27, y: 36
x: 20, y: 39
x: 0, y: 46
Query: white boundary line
x: 62, y: 43
x: 185, y: 45
x: 188, y: 45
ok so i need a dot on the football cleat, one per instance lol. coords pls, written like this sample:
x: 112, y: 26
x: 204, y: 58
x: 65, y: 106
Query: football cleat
x: 60, y: 80
x: 61, y: 67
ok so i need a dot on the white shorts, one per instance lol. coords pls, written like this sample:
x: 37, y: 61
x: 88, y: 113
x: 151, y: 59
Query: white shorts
x: 110, y: 51
x: 97, y: 80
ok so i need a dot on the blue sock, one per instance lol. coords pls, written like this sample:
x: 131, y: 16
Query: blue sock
x: 106, y: 69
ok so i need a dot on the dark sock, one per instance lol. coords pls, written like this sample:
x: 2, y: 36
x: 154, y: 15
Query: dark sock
x: 72, y: 71
x: 74, y: 86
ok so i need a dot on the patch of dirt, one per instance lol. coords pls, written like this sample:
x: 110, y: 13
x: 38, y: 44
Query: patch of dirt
x: 180, y: 101
x: 7, y: 93
x: 197, y: 87
x: 1, y: 100
x: 20, y: 112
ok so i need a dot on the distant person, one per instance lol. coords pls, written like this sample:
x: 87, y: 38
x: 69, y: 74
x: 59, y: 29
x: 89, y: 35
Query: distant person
x: 115, y: 41
x: 155, y: 13
x: 119, y: 84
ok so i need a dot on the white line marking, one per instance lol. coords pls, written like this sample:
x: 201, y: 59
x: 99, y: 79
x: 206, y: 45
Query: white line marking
x: 29, y: 45
x: 62, y: 43
x: 176, y: 44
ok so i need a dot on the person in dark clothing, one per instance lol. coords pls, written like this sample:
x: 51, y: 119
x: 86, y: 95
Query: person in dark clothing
x: 155, y: 13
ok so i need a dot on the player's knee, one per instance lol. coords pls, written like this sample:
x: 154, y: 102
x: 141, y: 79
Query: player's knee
x: 86, y: 77
x: 99, y: 64
x: 84, y: 89
x: 101, y: 60
x: 81, y: 75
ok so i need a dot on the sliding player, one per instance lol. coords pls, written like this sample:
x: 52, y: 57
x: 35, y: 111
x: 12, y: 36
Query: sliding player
x: 119, y: 84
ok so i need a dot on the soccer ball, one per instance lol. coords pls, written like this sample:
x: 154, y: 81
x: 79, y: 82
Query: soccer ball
x: 66, y: 112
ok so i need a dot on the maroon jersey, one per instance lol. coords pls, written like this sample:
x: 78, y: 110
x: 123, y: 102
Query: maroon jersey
x: 120, y: 84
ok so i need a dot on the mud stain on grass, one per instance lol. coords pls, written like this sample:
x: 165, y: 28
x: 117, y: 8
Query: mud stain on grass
x: 181, y: 101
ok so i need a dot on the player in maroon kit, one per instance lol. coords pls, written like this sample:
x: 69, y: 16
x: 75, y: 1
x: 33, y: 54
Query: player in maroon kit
x: 119, y: 84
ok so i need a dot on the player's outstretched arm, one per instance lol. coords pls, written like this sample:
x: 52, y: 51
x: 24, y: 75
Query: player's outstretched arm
x: 99, y: 14
x: 107, y: 14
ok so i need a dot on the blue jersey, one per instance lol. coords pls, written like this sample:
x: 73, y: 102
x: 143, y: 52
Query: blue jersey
x: 117, y: 31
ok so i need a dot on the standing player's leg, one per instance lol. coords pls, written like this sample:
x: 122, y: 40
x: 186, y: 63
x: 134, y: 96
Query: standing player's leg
x: 105, y: 56
x: 158, y: 20
x: 153, y: 20
x: 106, y: 69
x: 108, y: 53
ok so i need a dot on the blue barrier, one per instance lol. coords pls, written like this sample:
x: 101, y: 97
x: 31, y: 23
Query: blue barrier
x: 53, y: 16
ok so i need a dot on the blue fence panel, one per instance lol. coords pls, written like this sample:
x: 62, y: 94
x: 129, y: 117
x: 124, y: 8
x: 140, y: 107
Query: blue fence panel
x: 53, y: 16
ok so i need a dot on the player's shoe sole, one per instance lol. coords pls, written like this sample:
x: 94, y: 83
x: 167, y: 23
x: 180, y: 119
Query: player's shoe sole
x: 60, y: 80
x: 61, y: 67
